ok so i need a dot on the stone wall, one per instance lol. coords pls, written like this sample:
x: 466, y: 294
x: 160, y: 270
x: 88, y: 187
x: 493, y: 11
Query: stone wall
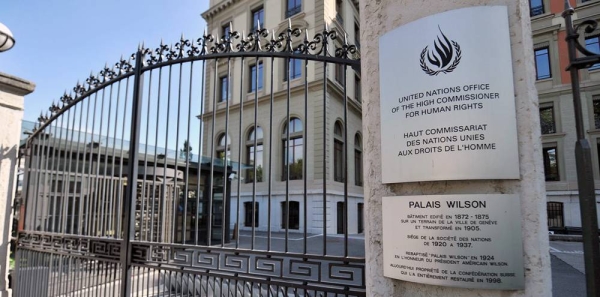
x: 379, y: 17
x: 12, y: 90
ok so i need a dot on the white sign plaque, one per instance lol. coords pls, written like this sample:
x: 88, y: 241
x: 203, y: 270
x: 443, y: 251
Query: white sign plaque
x: 469, y: 241
x: 447, y: 98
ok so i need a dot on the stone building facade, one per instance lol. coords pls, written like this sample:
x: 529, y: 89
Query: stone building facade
x: 556, y: 106
x: 227, y: 87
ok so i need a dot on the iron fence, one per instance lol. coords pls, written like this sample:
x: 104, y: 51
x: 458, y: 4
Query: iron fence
x: 117, y: 203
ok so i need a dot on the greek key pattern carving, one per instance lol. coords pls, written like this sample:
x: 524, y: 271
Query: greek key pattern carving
x: 330, y: 271
x: 105, y: 248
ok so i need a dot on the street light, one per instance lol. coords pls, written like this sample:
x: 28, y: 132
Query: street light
x: 581, y: 58
x: 6, y: 38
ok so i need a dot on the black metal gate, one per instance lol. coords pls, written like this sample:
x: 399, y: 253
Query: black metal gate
x: 116, y: 202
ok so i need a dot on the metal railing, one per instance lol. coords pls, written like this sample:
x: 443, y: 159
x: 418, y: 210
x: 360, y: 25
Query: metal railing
x: 149, y: 222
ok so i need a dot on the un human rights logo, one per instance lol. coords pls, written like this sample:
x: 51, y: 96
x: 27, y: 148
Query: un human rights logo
x: 444, y: 58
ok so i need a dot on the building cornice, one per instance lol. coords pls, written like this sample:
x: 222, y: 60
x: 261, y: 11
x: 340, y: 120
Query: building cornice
x: 218, y: 8
x: 545, y: 30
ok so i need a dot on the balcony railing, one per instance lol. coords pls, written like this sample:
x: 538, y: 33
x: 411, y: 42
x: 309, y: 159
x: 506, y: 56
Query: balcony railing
x: 292, y: 11
x: 537, y: 10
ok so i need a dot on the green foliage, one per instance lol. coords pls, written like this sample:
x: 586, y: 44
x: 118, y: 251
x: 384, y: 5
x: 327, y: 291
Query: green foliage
x: 186, y: 151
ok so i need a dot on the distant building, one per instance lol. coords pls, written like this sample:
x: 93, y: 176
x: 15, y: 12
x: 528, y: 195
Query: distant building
x: 79, y: 188
x: 556, y: 106
x: 311, y: 16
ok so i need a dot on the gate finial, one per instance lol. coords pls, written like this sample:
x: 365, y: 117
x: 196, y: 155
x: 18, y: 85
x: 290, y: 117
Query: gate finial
x: 568, y: 5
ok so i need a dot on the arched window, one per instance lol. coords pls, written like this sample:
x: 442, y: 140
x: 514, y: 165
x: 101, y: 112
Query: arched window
x: 294, y: 152
x: 338, y: 152
x: 223, y: 152
x: 358, y: 175
x: 251, y: 151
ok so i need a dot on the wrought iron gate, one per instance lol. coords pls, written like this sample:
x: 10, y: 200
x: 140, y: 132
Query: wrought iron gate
x: 117, y: 203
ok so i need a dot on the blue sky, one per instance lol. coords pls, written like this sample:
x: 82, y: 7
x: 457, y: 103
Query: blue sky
x: 59, y: 42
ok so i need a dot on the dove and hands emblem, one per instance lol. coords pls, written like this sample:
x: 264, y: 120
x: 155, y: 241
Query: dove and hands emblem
x: 443, y: 58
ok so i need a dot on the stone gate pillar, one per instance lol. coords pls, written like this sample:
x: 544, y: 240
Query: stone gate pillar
x: 12, y: 90
x: 381, y: 16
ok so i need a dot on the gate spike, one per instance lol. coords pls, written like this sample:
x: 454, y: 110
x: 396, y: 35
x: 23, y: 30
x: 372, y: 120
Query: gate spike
x: 289, y: 23
x: 258, y: 25
x: 345, y: 38
x: 326, y: 27
x: 568, y: 5
x: 230, y: 27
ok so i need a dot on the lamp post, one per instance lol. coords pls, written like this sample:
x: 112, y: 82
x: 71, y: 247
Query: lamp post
x: 583, y: 155
x: 6, y: 38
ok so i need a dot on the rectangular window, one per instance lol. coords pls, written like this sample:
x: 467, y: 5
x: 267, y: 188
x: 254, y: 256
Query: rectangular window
x: 536, y: 7
x: 248, y: 214
x: 254, y: 84
x: 358, y: 179
x: 293, y: 7
x: 57, y: 186
x: 592, y: 44
x: 339, y: 73
x: 357, y: 88
x: 338, y: 155
x: 340, y: 218
x: 550, y: 164
x: 259, y: 161
x: 54, y: 209
x: 294, y: 154
x: 339, y: 5
x: 596, y: 104
x: 293, y: 220
x: 225, y: 31
x: 542, y: 63
x: 360, y: 218
x: 547, y: 120
x: 294, y: 68
x: 555, y: 215
x: 357, y: 35
x: 258, y: 16
x: 224, y: 83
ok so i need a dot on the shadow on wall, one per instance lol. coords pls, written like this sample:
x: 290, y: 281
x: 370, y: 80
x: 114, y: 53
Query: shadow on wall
x: 8, y: 159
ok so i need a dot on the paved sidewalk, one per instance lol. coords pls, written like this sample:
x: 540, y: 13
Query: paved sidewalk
x: 568, y: 278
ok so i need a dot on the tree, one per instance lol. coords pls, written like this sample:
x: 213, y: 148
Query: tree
x: 186, y: 151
